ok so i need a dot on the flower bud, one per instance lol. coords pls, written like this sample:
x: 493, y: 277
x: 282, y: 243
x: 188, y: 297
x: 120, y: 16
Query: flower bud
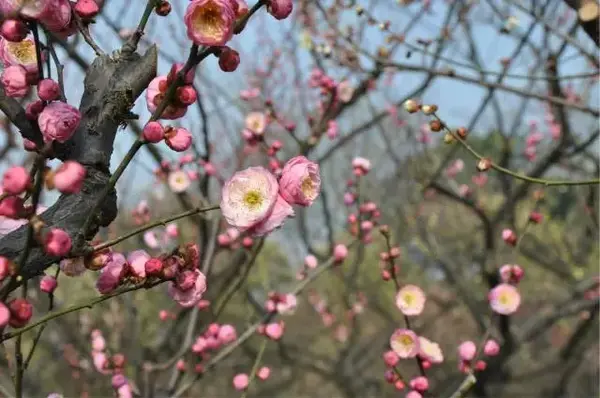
x: 21, y: 311
x: 86, y: 9
x: 229, y: 59
x: 163, y: 8
x: 57, y: 242
x: 14, y: 30
x: 484, y: 164
x: 154, y: 267
x: 178, y: 139
x: 48, y: 284
x: 153, y: 132
x: 186, y: 95
x: 411, y: 106
x: 48, y: 89
x: 15, y: 180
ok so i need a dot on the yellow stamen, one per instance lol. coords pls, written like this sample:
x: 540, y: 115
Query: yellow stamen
x: 24, y: 51
x: 307, y: 187
x: 253, y: 199
x: 207, y: 20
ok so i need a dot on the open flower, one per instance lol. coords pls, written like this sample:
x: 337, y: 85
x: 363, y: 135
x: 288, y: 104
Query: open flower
x: 189, y: 297
x: 256, y: 122
x: 248, y: 197
x: 58, y: 121
x: 430, y: 351
x: 504, y: 299
x: 410, y: 300
x: 300, y: 181
x: 19, y: 53
x: 179, y: 181
x: 210, y: 22
x: 405, y: 343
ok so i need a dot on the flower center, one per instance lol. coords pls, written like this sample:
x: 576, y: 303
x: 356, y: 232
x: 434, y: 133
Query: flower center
x: 406, y: 340
x: 253, y: 199
x: 504, y: 299
x: 409, y: 299
x: 307, y: 187
x: 24, y: 51
x: 207, y: 20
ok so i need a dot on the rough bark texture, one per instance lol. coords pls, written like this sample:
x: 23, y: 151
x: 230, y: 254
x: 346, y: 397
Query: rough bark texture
x: 112, y: 84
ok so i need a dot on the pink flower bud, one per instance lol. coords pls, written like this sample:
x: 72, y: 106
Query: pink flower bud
x: 4, y: 316
x: 69, y: 177
x: 536, y: 217
x: 57, y: 242
x: 274, y: 330
x: 247, y: 242
x: 509, y: 236
x: 58, y: 17
x: 414, y: 394
x: 229, y: 59
x: 48, y: 90
x: 419, y: 383
x: 153, y: 132
x: 48, y: 284
x: 14, y: 30
x: 480, y: 365
x: 467, y: 350
x: 180, y: 365
x: 390, y: 358
x: 311, y: 261
x: 280, y: 9
x: 340, y: 252
x: 58, y: 121
x: 186, y: 95
x: 178, y: 139
x: 227, y: 334
x: 153, y: 267
x: 32, y: 111
x: 263, y: 373
x: 86, y: 9
x: 241, y: 381
x: 21, y: 311
x: 491, y: 348
x: 16, y: 180
x: 11, y: 207
x: 14, y: 80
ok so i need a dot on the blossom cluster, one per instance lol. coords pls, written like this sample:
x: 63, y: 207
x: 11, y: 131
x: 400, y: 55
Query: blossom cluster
x: 110, y: 365
x: 187, y: 283
x: 55, y: 15
x: 254, y: 201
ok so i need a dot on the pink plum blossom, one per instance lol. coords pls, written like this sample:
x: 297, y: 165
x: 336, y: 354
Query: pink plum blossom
x: 410, y: 299
x: 210, y: 22
x: 405, y: 343
x: 14, y: 81
x: 504, y: 299
x: 248, y: 197
x: 58, y: 121
x: 430, y: 351
x: 189, y: 297
x: 178, y: 181
x: 300, y: 181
